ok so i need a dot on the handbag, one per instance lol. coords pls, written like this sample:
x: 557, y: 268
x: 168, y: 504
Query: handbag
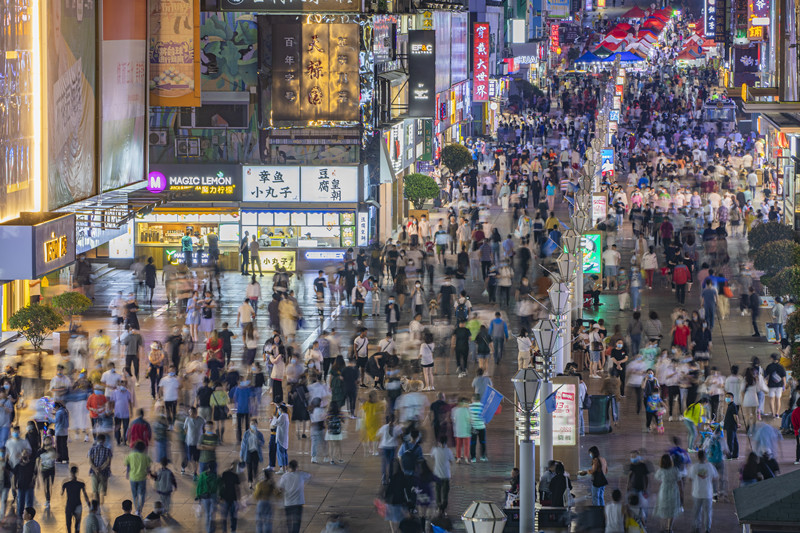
x: 569, y: 499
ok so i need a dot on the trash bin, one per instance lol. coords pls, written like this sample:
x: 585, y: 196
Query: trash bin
x: 599, y: 415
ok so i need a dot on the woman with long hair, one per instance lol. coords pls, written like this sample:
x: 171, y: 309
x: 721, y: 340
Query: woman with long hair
x: 278, y: 362
x: 335, y: 433
x: 669, y: 504
x: 250, y: 340
x: 336, y: 380
x: 193, y: 315
x: 753, y: 384
x: 426, y: 359
x: 207, y: 312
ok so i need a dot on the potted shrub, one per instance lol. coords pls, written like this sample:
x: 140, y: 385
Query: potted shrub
x: 786, y: 282
x: 418, y: 188
x: 36, y: 322
x: 456, y: 157
x: 762, y: 234
x: 71, y: 304
x: 776, y: 255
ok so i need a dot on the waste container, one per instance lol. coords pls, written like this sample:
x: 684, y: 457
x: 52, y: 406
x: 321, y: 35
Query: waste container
x: 599, y: 415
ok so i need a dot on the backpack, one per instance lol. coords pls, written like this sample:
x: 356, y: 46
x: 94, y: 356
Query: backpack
x: 408, y: 459
x: 335, y: 425
x: 462, y: 313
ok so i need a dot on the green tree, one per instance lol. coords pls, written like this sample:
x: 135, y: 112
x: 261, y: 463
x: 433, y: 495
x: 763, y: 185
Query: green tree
x: 419, y: 187
x: 36, y: 322
x: 776, y: 255
x: 786, y: 282
x: 70, y: 304
x: 456, y: 157
x: 762, y: 234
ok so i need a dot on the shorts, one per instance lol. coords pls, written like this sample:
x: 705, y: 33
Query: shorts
x: 119, y: 320
x: 427, y: 366
x: 483, y: 355
x: 99, y: 484
x: 775, y: 392
x: 440, y: 248
x: 611, y: 271
x: 594, y: 356
x: 361, y: 362
x: 193, y: 453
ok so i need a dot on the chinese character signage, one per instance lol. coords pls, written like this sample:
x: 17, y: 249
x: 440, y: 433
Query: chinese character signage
x: 175, y: 53
x: 480, y: 62
x: 271, y: 260
x: 421, y: 73
x: 200, y: 183
x: 315, y: 71
x: 363, y: 228
x: 558, y: 9
x: 599, y: 207
x: 710, y: 17
x: 759, y: 12
x: 271, y: 184
x: 721, y: 31
x: 289, y: 6
x: 300, y: 184
x: 555, y: 40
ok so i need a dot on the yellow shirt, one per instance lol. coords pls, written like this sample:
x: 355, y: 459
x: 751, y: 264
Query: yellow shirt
x: 694, y: 413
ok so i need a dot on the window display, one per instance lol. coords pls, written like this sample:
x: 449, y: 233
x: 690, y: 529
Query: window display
x: 301, y: 229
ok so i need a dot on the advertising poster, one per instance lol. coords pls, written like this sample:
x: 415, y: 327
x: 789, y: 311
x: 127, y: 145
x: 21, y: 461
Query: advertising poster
x: 599, y: 207
x: 592, y: 247
x: 564, y: 417
x: 228, y: 51
x: 441, y: 21
x: 289, y: 6
x: 71, y: 55
x: 197, y: 182
x: 123, y: 92
x: 607, y: 162
x: 480, y: 62
x: 710, y: 18
x: 175, y: 53
x: 458, y: 48
x: 422, y: 73
x: 558, y: 9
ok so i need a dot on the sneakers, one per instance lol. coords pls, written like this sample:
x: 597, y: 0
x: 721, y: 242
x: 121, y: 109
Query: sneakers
x: 474, y: 460
x: 484, y: 459
x: 314, y: 460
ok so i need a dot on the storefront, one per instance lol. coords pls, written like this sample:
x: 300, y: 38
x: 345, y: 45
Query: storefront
x: 207, y: 202
x: 303, y: 216
x: 35, y: 245
x: 782, y: 144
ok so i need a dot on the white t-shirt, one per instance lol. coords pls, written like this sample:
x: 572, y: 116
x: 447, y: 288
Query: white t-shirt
x: 611, y: 257
x: 703, y: 476
x: 426, y: 354
x: 442, y: 457
x: 169, y: 388
x: 615, y: 522
x: 388, y: 436
x: 110, y: 380
x: 246, y: 313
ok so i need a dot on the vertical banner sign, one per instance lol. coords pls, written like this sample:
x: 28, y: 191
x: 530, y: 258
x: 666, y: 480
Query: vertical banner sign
x: 758, y: 12
x: 555, y: 41
x: 421, y: 72
x: 710, y: 18
x: 721, y: 30
x: 71, y: 56
x: 480, y: 62
x: 123, y: 88
x: 175, y: 53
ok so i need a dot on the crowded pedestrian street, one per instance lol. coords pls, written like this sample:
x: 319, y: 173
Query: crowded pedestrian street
x: 290, y: 339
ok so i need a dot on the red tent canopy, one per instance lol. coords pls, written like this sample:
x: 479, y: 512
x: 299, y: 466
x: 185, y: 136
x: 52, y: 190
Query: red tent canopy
x: 666, y: 11
x: 661, y: 16
x: 686, y: 56
x: 610, y: 45
x: 624, y: 26
x: 617, y: 34
x: 653, y: 23
x: 635, y: 12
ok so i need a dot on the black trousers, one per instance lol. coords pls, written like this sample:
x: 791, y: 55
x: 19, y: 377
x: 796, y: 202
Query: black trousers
x: 121, y: 423
x: 462, y: 357
x: 733, y: 444
x: 62, y: 453
x: 326, y: 366
x: 132, y: 360
x: 242, y: 423
x: 252, y: 466
x: 680, y: 293
x: 675, y: 392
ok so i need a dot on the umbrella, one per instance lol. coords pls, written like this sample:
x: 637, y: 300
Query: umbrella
x: 635, y: 12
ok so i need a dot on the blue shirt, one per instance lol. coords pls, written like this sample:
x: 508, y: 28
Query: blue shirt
x: 495, y: 328
x: 241, y: 396
x: 62, y: 423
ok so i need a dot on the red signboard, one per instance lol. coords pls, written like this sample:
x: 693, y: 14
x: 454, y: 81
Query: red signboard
x: 555, y: 43
x: 480, y: 62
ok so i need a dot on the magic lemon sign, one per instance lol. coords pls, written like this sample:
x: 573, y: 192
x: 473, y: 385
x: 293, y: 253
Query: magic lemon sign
x: 203, y: 183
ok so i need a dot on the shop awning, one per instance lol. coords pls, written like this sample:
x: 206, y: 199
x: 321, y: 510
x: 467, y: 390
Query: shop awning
x: 784, y: 122
x: 395, y: 77
x: 625, y: 57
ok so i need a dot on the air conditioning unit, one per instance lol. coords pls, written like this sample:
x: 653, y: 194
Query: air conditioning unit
x: 158, y: 137
x: 187, y: 147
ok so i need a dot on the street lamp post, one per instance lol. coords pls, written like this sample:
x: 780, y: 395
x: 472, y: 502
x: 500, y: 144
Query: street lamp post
x: 546, y: 334
x: 527, y: 382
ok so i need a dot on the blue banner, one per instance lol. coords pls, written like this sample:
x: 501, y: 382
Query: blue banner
x: 491, y: 404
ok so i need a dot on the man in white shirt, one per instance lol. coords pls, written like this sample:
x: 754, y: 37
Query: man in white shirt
x: 110, y: 379
x: 293, y: 483
x: 702, y: 475
x: 245, y: 314
x: 611, y: 259
x: 169, y: 386
x: 60, y: 384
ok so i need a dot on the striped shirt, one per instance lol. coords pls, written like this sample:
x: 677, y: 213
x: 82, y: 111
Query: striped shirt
x: 476, y: 415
